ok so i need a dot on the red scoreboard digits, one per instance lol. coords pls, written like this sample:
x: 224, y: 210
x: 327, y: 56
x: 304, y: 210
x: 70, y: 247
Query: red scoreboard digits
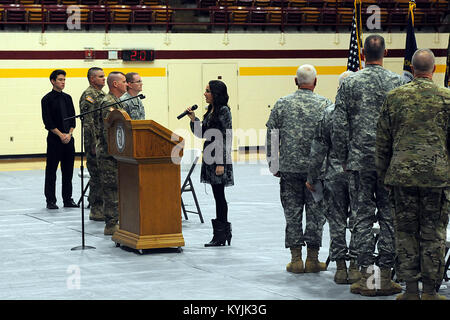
x: 137, y: 55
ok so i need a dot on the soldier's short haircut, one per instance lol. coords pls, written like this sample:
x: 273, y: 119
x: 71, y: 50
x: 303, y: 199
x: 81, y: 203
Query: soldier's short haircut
x: 130, y: 76
x: 56, y: 73
x: 306, y: 74
x: 374, y: 48
x: 423, y: 60
x: 92, y: 71
x: 113, y: 76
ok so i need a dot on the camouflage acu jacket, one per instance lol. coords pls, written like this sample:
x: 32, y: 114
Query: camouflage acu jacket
x: 102, y: 143
x: 413, y: 136
x: 322, y: 150
x: 291, y: 125
x: 90, y: 99
x: 133, y: 107
x: 358, y: 104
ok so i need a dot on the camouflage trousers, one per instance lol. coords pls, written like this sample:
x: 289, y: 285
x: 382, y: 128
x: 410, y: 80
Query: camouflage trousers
x: 109, y: 184
x: 95, y: 188
x: 294, y: 196
x: 337, y: 199
x: 370, y: 203
x: 420, y: 221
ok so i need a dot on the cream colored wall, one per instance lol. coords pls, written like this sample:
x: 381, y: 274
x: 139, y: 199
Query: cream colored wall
x: 253, y: 97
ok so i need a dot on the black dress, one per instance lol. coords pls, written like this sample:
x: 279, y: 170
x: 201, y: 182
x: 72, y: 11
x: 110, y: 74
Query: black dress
x: 217, y: 146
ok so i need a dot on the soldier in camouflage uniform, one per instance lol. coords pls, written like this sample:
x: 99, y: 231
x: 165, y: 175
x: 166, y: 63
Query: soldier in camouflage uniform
x: 107, y: 164
x: 358, y: 104
x: 291, y: 128
x: 412, y: 158
x: 133, y: 107
x: 90, y: 100
x: 336, y: 196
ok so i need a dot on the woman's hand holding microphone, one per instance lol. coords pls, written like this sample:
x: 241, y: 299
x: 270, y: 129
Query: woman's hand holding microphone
x: 191, y: 114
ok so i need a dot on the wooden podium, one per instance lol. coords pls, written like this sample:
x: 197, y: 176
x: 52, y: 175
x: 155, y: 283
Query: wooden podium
x: 148, y: 182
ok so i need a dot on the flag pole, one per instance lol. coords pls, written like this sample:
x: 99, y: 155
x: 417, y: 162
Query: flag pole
x: 354, y: 62
x: 447, y: 69
x: 411, y: 45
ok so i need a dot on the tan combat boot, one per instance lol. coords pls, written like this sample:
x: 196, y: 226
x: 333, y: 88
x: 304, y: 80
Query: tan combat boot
x: 387, y: 286
x: 96, y: 214
x: 362, y: 286
x: 312, y: 264
x: 412, y: 291
x: 340, y: 277
x: 408, y: 296
x: 296, y: 264
x: 435, y: 296
x: 110, y: 229
x: 429, y: 291
x: 353, y: 272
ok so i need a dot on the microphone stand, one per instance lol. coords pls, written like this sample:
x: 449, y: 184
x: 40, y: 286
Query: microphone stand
x: 81, y: 117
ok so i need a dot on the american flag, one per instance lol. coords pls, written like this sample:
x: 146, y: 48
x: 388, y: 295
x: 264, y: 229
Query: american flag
x: 354, y: 50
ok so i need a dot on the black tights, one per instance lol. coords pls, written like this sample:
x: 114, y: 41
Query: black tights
x: 221, y: 202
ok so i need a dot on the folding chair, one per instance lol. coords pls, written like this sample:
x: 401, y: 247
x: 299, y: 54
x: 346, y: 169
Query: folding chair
x: 85, y: 176
x: 376, y: 233
x: 447, y: 263
x: 189, y: 187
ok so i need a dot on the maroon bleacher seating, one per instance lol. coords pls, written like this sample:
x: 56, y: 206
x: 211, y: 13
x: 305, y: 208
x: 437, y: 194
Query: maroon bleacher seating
x: 142, y: 14
x: 15, y: 13
x: 57, y: 14
x: 99, y: 15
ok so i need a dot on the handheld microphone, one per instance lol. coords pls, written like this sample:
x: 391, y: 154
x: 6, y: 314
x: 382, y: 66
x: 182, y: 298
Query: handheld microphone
x: 187, y: 112
x: 141, y: 96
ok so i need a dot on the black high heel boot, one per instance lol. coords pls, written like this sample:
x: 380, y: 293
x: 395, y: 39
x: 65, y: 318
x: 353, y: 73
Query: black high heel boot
x: 219, y: 235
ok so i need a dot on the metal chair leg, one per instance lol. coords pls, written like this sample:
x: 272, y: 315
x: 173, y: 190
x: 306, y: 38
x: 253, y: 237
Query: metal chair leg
x: 84, y: 192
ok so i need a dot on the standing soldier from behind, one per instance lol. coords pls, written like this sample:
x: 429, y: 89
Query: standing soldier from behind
x: 291, y: 126
x: 90, y: 100
x: 133, y: 107
x: 336, y: 196
x: 358, y: 104
x: 106, y: 163
x: 412, y: 158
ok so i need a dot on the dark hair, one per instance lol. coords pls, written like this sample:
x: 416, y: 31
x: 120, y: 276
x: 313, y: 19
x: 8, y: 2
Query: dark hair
x: 130, y: 76
x: 92, y: 70
x: 374, y: 48
x: 220, y: 98
x: 56, y: 73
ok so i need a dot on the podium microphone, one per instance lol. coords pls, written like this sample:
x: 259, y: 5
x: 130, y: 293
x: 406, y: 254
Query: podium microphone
x: 187, y: 112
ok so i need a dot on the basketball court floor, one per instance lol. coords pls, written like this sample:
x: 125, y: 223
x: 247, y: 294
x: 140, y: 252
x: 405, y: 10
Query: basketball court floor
x: 38, y: 263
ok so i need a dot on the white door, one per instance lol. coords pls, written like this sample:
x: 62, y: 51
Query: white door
x: 226, y: 72
x: 184, y: 90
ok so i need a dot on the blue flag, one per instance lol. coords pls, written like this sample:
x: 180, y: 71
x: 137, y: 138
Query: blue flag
x: 411, y: 45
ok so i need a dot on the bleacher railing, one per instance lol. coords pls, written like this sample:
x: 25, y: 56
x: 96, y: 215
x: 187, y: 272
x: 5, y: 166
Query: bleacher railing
x: 220, y: 16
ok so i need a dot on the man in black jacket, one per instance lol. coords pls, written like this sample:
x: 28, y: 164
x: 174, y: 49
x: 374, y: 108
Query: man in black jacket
x: 56, y: 106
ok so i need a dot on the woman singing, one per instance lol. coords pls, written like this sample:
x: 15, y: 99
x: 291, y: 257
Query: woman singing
x: 217, y: 169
